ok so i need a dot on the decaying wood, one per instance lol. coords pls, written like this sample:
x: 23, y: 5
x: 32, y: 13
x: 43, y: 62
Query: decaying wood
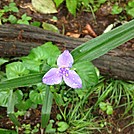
x: 18, y: 40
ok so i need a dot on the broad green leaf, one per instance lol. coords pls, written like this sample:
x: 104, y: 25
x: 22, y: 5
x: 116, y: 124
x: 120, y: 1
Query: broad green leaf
x: 104, y: 43
x: 16, y: 69
x: 71, y: 6
x: 37, y: 97
x: 58, y: 2
x: 24, y: 105
x: 4, y: 95
x: 50, y: 27
x: 62, y: 126
x: 44, y: 6
x: 87, y: 73
x: 31, y: 65
x: 46, y: 52
x: 131, y: 3
x: 12, y: 19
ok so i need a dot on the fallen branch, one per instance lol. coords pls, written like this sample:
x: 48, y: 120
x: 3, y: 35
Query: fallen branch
x: 18, y: 40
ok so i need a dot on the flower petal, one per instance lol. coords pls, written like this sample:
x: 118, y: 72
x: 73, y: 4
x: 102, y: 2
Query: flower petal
x: 65, y: 59
x: 73, y: 80
x: 52, y: 77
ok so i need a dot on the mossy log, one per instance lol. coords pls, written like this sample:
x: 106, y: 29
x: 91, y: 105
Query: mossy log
x: 18, y: 40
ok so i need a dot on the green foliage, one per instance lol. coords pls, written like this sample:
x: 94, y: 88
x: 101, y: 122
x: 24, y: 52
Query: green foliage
x: 116, y: 9
x: 15, y: 70
x: 127, y: 7
x: 50, y: 27
x: 8, y: 8
x: 75, y: 110
x: 24, y: 19
x: 37, y: 95
x: 12, y: 19
x: 87, y: 5
x: 58, y: 2
x: 36, y: 23
x: 71, y: 6
x: 106, y: 107
x: 24, y: 105
x: 62, y: 126
x: 130, y: 8
x: 114, y: 91
x: 11, y: 7
x: 49, y: 128
x: 41, y: 58
x: 29, y: 130
x: 87, y: 73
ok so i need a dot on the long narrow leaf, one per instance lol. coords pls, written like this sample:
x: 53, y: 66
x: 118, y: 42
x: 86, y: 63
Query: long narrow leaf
x: 46, y: 108
x: 27, y: 80
x: 10, y: 109
x: 104, y: 43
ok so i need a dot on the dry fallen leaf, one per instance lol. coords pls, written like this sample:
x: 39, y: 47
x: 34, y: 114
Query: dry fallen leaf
x: 90, y: 31
x: 44, y: 6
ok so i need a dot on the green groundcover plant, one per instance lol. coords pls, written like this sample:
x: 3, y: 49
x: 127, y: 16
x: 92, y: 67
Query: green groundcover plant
x: 47, y: 75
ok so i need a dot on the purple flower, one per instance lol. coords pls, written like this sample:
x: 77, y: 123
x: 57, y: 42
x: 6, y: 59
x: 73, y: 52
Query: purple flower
x: 70, y: 77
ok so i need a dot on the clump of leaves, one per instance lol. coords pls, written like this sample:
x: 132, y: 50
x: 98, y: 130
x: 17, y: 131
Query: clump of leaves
x: 128, y: 8
x: 116, y: 9
x: 73, y: 5
x: 106, y: 108
x: 11, y: 7
x: 8, y: 8
x: 24, y: 19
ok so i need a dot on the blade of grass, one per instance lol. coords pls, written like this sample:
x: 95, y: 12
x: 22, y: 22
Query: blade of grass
x: 104, y: 43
